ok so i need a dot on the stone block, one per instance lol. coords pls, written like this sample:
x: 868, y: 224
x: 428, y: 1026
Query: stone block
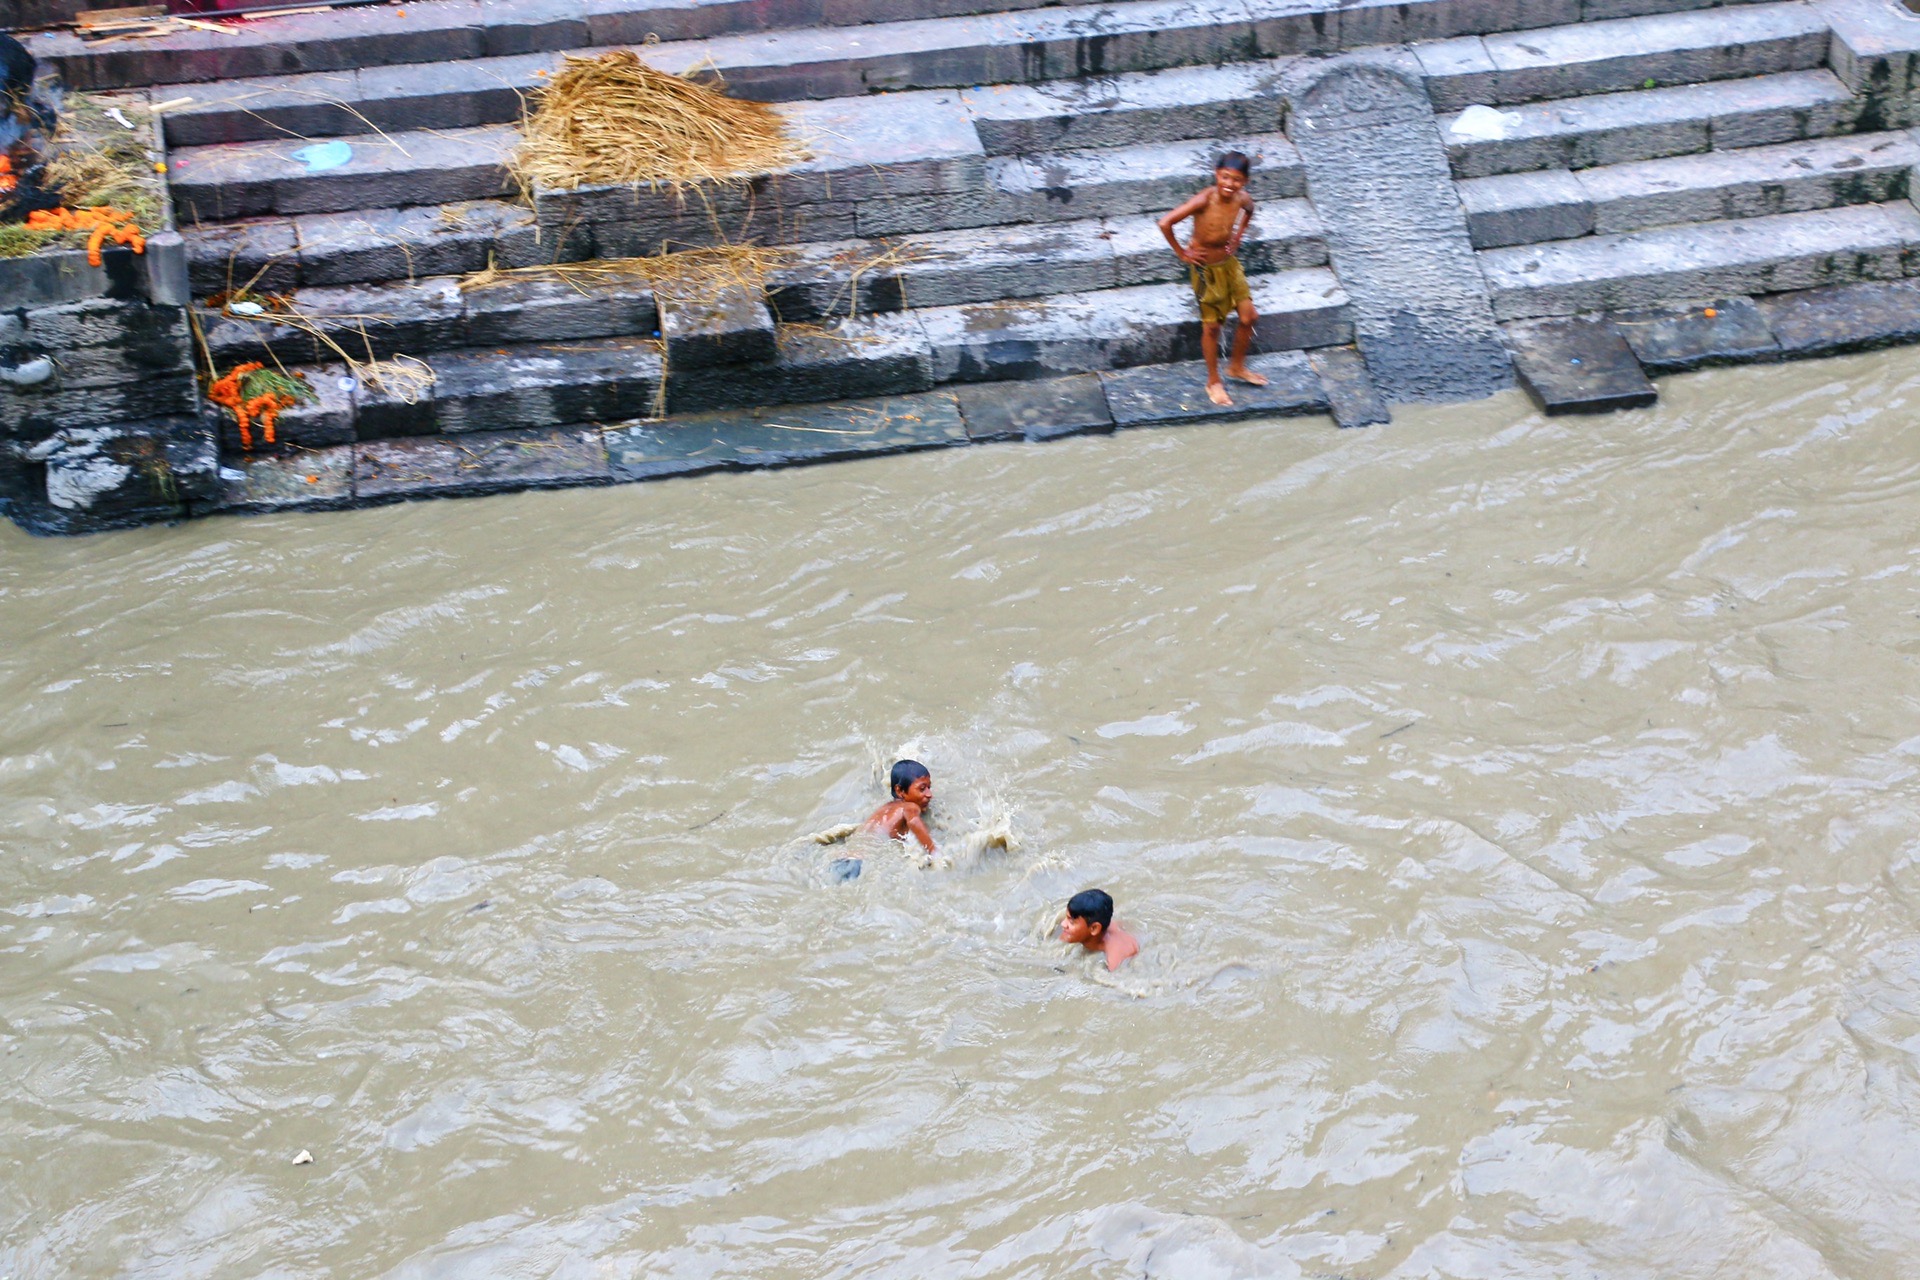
x: 325, y: 421
x: 311, y: 480
x: 382, y: 412
x: 1526, y: 208
x: 1858, y: 317
x: 1754, y: 182
x: 1038, y: 409
x: 99, y: 341
x: 50, y: 279
x: 685, y: 447
x: 825, y: 432
x: 1127, y: 110
x: 1785, y: 108
x: 1351, y: 396
x: 483, y: 462
x: 1458, y: 72
x: 1170, y: 394
x: 1681, y: 338
x: 129, y: 473
x: 1875, y: 47
x: 448, y: 95
x: 40, y: 412
x: 591, y: 381
x: 548, y: 308
x: 167, y: 270
x: 632, y: 22
x: 247, y: 110
x: 365, y: 245
x: 707, y: 323
x: 1578, y: 366
x: 1006, y: 262
x: 262, y: 254
x: 870, y: 356
x: 532, y: 26
x: 233, y: 339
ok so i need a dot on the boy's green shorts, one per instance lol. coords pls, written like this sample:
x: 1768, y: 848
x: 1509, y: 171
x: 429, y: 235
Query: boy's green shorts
x: 1219, y: 289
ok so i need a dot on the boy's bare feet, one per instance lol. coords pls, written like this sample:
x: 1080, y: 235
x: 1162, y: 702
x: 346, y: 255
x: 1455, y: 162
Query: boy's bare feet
x: 1246, y: 375
x: 1217, y: 393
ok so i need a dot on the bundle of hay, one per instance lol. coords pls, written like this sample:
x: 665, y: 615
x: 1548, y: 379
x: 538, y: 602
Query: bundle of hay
x: 613, y: 119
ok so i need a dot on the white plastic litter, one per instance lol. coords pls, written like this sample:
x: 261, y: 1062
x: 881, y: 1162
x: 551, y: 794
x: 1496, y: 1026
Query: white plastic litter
x: 30, y: 374
x: 121, y: 119
x: 305, y: 1157
x: 1483, y: 124
x: 246, y: 308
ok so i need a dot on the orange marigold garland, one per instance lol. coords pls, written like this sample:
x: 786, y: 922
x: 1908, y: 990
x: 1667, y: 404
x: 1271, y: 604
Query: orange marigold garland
x: 254, y: 392
x: 103, y: 220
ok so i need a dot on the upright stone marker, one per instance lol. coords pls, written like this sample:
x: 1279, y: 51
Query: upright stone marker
x: 1377, y: 171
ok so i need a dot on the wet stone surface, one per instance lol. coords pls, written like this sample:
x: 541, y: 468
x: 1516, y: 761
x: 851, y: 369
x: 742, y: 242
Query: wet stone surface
x: 650, y: 450
x: 1163, y: 395
x: 1857, y: 317
x: 1039, y: 410
x: 825, y: 432
x: 1354, y: 400
x: 1679, y: 339
x: 304, y: 480
x: 479, y: 462
x: 1578, y: 366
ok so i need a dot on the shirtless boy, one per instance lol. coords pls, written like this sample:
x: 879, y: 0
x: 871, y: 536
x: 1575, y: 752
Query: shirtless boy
x: 1089, y: 923
x: 904, y: 815
x: 1221, y: 215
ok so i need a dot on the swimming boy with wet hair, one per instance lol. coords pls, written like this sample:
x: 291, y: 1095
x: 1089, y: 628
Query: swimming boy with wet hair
x: 904, y: 815
x: 1221, y: 215
x: 1090, y: 923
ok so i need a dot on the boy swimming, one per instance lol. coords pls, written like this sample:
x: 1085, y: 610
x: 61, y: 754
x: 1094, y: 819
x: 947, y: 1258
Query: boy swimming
x: 1221, y: 215
x: 904, y: 815
x: 1090, y: 923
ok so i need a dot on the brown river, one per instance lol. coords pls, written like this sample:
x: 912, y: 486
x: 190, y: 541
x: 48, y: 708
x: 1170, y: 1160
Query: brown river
x: 1518, y: 817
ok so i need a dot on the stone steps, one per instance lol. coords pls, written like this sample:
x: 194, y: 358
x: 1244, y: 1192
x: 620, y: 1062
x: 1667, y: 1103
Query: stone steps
x: 1032, y: 48
x: 1648, y: 124
x: 1756, y: 255
x: 963, y: 41
x: 422, y: 315
x: 1793, y: 177
x: 1653, y: 51
x: 560, y: 383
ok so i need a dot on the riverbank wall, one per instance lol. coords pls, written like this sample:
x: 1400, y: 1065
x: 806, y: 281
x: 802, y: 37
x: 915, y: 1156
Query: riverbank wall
x: 1577, y: 196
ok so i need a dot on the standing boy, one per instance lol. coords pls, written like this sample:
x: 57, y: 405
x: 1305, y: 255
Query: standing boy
x: 1221, y: 215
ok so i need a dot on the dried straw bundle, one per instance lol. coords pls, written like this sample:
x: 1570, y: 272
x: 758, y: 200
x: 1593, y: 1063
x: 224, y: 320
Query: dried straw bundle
x: 614, y: 119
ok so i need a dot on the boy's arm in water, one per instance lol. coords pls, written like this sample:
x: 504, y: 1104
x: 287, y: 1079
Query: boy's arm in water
x: 1120, y: 947
x: 918, y: 825
x: 1174, y: 219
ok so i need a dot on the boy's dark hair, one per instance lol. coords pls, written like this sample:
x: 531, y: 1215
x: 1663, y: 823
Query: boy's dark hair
x: 906, y: 773
x: 1095, y: 906
x: 1237, y: 161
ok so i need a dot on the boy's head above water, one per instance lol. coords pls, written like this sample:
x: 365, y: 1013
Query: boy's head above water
x: 1089, y: 924
x: 1089, y: 916
x: 911, y: 781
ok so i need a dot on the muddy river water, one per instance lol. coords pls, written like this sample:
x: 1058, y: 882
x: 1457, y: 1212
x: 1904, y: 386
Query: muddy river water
x: 1519, y: 817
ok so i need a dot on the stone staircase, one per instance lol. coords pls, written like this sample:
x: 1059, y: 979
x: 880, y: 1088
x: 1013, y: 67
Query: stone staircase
x: 979, y: 205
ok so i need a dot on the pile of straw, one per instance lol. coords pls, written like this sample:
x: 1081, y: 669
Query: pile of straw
x: 613, y: 119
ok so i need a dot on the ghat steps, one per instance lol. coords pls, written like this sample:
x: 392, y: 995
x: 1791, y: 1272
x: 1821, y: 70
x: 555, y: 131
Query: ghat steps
x: 978, y: 205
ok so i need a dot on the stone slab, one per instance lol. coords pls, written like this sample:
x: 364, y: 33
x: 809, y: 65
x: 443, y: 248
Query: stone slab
x: 1859, y: 317
x: 1678, y: 339
x: 310, y: 480
x: 869, y: 356
x: 365, y: 245
x: 1646, y: 124
x: 1170, y: 394
x: 261, y: 254
x: 1421, y: 313
x: 553, y: 384
x: 480, y: 462
x: 1116, y: 111
x: 1526, y: 208
x: 546, y: 308
x: 128, y: 473
x: 1578, y: 366
x: 710, y: 323
x: 1704, y: 260
x: 1035, y: 409
x: 1351, y: 396
x: 682, y: 447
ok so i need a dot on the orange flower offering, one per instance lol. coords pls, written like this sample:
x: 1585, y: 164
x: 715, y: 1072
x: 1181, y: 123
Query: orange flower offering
x: 8, y: 179
x: 103, y: 220
x: 270, y: 393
